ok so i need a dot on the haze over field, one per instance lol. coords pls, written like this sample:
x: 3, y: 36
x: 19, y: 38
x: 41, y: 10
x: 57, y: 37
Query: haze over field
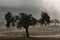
x: 35, y: 7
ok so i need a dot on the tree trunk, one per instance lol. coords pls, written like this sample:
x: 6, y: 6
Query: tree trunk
x: 27, y: 33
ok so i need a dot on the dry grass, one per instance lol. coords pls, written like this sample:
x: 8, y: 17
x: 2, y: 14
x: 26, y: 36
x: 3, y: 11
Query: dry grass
x: 31, y: 38
x: 34, y: 32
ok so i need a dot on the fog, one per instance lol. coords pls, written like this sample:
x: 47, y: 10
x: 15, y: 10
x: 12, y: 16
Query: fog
x: 37, y: 6
x: 52, y: 7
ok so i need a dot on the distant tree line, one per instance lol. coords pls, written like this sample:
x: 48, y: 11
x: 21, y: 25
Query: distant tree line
x: 26, y: 20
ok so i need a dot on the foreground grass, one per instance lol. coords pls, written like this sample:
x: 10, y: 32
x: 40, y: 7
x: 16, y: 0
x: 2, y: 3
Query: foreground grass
x: 30, y: 38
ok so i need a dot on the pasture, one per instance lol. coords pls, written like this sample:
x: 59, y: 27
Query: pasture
x: 37, y: 31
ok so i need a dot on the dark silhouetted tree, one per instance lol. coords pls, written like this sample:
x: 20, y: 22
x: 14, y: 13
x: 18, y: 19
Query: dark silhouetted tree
x: 9, y: 19
x: 45, y: 18
x: 26, y: 21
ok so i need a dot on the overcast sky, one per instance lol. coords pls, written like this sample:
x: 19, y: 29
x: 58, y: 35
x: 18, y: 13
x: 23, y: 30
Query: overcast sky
x: 19, y: 3
x: 50, y: 6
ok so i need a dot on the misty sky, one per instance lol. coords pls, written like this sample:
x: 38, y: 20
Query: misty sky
x: 19, y: 3
x: 50, y: 6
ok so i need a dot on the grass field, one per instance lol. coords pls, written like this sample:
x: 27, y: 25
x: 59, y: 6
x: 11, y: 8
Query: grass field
x: 51, y: 32
x: 36, y: 31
